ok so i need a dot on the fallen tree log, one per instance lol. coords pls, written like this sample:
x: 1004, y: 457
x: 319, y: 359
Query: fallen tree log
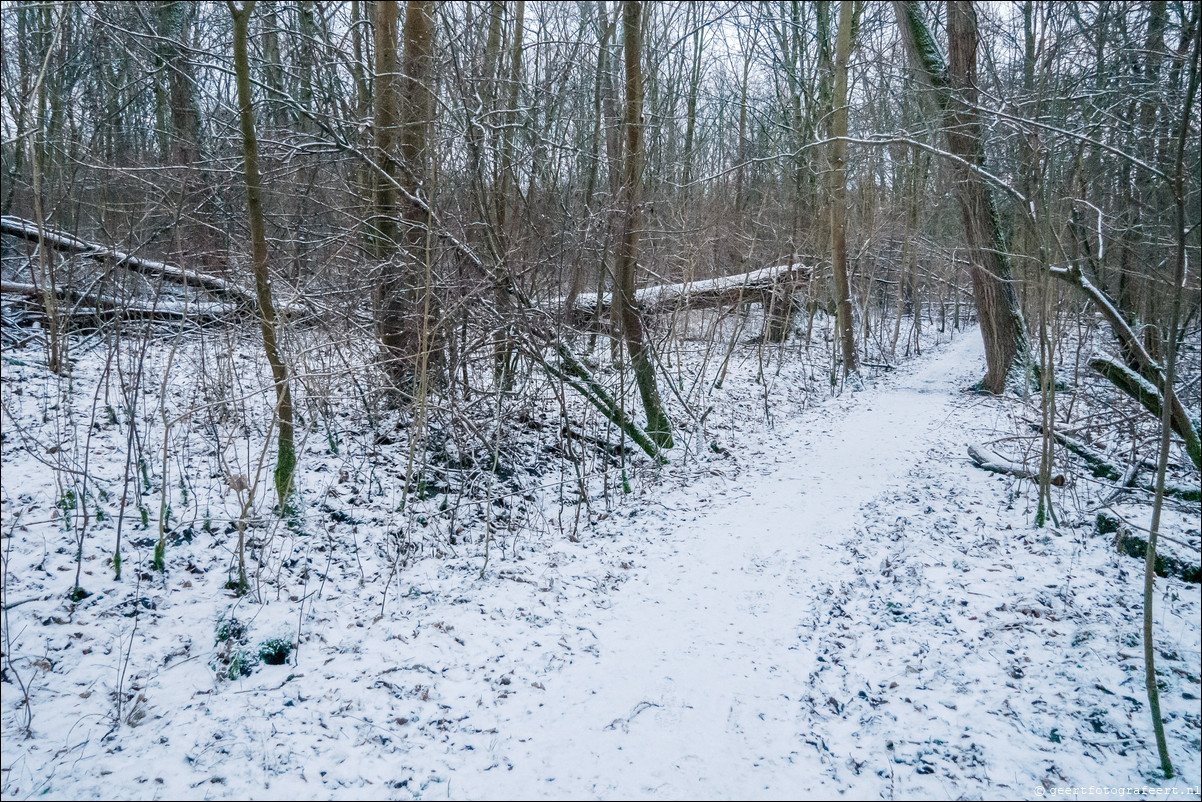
x: 1101, y: 468
x: 1136, y: 546
x: 60, y: 241
x: 1128, y: 542
x: 756, y: 286
x: 1148, y: 372
x: 1149, y: 396
x: 104, y: 307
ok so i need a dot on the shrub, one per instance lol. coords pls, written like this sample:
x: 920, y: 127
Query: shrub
x: 275, y: 651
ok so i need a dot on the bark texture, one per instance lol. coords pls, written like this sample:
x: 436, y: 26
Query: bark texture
x: 847, y: 337
x: 405, y: 311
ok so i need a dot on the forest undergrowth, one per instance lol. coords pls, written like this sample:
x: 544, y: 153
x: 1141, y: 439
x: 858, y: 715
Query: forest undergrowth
x: 153, y: 448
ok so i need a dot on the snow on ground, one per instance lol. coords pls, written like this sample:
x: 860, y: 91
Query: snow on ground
x: 841, y: 607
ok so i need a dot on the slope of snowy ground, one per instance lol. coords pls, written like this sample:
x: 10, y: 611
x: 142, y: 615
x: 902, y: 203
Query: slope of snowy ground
x: 842, y: 606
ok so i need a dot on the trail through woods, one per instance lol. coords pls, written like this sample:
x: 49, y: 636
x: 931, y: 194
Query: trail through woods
x: 844, y: 606
x: 705, y: 659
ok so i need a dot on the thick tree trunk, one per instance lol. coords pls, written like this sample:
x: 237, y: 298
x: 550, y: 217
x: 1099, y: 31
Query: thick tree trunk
x: 998, y: 310
x: 997, y: 303
x: 181, y: 97
x: 405, y: 308
x: 838, y: 193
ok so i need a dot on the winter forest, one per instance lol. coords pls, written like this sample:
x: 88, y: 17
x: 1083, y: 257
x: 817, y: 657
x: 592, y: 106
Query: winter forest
x: 593, y: 399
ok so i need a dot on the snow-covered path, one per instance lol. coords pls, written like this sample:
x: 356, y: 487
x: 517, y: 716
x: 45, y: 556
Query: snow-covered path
x: 701, y: 657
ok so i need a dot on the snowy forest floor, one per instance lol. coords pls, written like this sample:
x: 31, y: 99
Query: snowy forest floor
x: 842, y: 606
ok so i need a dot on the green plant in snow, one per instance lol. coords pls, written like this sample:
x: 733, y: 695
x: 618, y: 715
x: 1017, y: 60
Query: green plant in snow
x: 275, y: 651
x: 240, y: 664
x: 67, y: 503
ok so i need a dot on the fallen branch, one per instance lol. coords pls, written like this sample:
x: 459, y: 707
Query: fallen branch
x: 988, y: 460
x: 59, y: 241
x: 1098, y: 464
x: 104, y: 307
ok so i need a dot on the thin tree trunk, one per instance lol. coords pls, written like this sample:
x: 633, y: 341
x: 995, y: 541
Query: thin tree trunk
x: 383, y: 229
x: 694, y: 87
x: 286, y: 451
x: 503, y: 347
x: 417, y: 100
x: 658, y: 427
x: 273, y: 68
x: 1166, y: 417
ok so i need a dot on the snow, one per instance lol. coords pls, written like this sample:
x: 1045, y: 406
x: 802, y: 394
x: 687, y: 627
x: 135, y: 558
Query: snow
x: 844, y: 607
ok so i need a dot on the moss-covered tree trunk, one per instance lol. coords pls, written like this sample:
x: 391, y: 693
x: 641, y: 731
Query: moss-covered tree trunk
x: 658, y: 427
x: 286, y: 450
x: 955, y: 85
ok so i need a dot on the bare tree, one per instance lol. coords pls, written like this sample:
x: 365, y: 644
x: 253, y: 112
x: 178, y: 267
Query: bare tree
x: 838, y: 191
x: 268, y: 321
x: 658, y: 426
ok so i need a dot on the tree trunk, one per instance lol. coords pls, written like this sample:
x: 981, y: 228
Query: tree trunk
x: 185, y: 118
x: 273, y: 68
x: 286, y: 453
x: 694, y: 87
x: 998, y: 310
x: 838, y: 192
x: 404, y: 319
x: 503, y: 347
x: 417, y: 99
x: 658, y: 427
x: 383, y: 231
